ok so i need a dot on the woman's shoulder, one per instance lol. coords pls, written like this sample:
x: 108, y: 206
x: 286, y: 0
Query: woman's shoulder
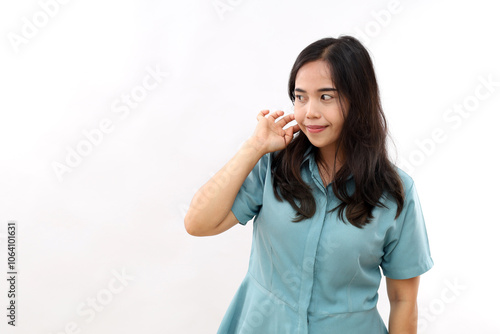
x: 406, y: 179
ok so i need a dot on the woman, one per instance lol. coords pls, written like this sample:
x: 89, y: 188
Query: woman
x: 330, y: 209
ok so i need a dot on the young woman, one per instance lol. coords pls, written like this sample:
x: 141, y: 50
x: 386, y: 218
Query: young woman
x: 331, y: 211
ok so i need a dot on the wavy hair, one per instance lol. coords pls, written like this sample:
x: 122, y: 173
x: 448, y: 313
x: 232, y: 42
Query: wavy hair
x: 362, y: 138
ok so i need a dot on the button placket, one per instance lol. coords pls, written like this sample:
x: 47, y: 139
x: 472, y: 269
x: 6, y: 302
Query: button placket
x: 315, y: 175
x: 311, y: 248
x: 308, y: 264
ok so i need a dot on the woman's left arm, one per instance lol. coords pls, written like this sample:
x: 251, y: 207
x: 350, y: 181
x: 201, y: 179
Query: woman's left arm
x: 402, y: 295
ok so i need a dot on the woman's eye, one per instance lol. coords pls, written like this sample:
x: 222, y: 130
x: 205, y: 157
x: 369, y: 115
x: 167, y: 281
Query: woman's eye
x: 324, y: 97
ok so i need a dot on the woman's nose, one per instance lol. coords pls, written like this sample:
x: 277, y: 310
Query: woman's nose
x: 312, y: 110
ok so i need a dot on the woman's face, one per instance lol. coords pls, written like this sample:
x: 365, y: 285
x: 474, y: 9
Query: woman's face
x: 317, y: 104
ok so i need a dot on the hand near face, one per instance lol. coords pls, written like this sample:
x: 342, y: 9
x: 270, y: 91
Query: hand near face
x: 269, y: 134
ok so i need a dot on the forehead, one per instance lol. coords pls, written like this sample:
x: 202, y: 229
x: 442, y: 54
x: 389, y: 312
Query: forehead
x: 314, y: 74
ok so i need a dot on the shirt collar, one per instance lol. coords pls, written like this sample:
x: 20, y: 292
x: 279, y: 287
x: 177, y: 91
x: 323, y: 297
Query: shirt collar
x: 308, y: 155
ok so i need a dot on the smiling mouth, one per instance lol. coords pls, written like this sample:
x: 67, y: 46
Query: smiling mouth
x: 315, y: 126
x: 315, y: 129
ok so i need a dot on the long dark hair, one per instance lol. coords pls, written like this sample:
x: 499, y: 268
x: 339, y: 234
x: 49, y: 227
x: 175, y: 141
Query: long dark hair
x: 362, y: 139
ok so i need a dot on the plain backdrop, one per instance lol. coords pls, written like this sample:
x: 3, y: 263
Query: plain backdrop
x: 156, y: 96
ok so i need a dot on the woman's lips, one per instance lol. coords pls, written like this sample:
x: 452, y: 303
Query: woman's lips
x: 315, y: 128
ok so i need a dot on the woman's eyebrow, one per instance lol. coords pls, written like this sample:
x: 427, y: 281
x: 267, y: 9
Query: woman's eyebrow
x: 319, y: 90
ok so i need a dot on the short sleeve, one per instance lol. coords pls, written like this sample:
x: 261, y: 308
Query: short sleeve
x: 249, y: 199
x: 406, y: 251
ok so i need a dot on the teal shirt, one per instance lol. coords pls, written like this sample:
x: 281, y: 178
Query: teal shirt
x: 320, y: 275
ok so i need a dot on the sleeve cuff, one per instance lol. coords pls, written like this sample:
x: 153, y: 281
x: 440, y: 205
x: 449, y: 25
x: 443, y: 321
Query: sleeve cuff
x: 238, y: 209
x: 410, y: 272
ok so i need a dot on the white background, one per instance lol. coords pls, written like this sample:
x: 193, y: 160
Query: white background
x: 121, y: 208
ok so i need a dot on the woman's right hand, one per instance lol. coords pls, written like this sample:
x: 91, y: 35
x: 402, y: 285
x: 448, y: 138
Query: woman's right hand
x: 269, y: 135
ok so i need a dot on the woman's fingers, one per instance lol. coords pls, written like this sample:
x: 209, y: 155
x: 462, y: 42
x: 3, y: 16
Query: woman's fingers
x: 282, y: 122
x: 277, y: 114
x: 274, y: 115
x: 289, y: 134
x: 268, y: 131
x: 261, y: 114
x: 285, y: 120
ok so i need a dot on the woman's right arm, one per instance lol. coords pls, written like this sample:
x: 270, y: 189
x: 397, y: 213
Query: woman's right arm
x: 213, y: 201
x: 209, y: 212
